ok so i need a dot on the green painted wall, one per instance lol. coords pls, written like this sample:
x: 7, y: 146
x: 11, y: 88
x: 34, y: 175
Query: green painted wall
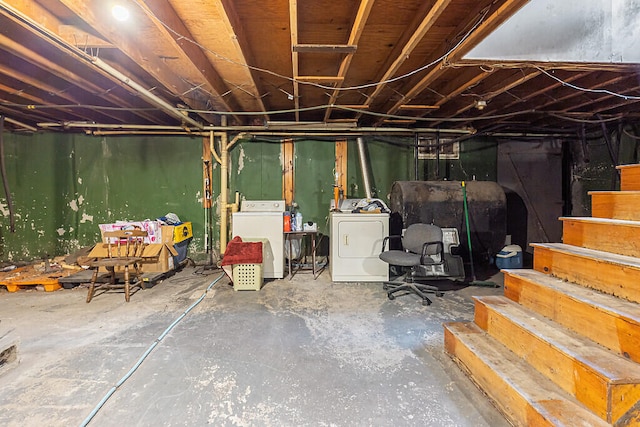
x: 63, y: 186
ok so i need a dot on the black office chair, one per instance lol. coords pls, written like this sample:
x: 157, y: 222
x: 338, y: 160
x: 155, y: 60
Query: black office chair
x: 428, y: 259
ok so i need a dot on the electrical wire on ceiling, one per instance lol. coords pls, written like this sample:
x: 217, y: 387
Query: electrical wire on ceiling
x: 71, y: 106
x: 543, y: 70
x: 588, y: 121
x: 561, y: 115
x: 626, y: 132
x: 584, y: 89
x: 179, y: 36
x: 274, y: 112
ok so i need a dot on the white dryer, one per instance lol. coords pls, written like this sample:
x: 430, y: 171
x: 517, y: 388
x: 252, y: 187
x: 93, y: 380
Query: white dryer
x: 262, y: 219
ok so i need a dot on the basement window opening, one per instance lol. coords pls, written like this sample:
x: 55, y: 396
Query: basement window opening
x: 427, y: 148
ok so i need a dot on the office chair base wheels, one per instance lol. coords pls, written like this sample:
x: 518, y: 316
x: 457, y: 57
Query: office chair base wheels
x: 439, y: 294
x: 391, y: 296
x: 426, y: 302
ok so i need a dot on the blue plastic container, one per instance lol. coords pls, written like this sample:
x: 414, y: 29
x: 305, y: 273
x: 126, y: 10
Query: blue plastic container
x: 181, y: 248
x: 509, y: 257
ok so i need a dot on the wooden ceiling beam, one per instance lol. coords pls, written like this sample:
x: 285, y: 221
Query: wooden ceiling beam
x: 43, y: 86
x: 30, y: 118
x: 592, y: 103
x: 491, y: 21
x: 575, y: 93
x: 67, y: 75
x: 133, y: 44
x: 418, y: 107
x: 18, y: 96
x: 81, y: 39
x: 164, y: 17
x: 24, y: 14
x: 320, y: 79
x: 293, y: 25
x: 325, y: 48
x: 364, y: 10
x: 503, y: 87
x: 616, y: 103
x: 554, y: 85
x: 243, y: 50
x: 427, y: 23
x: 456, y: 88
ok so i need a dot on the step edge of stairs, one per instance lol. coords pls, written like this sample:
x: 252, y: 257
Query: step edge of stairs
x: 598, y: 255
x: 628, y: 166
x: 625, y: 309
x: 607, y: 192
x: 612, y: 377
x: 594, y: 220
x: 509, y: 368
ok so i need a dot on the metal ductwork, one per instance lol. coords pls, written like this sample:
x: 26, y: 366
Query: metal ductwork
x: 364, y: 167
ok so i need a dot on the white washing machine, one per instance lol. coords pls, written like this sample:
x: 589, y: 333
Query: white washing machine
x: 262, y: 219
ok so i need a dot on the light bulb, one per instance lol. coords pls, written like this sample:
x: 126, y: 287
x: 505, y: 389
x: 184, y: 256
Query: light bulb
x: 120, y: 12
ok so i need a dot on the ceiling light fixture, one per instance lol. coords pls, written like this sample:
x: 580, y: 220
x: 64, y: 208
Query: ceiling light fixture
x: 480, y: 104
x: 120, y: 12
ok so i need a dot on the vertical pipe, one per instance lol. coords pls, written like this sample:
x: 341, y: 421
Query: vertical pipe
x: 364, y: 166
x: 224, y: 186
x: 416, y: 154
x: 5, y: 181
x: 437, y: 155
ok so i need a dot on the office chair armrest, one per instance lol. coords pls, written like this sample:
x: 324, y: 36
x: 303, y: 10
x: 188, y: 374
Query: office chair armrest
x: 426, y: 245
x: 384, y: 242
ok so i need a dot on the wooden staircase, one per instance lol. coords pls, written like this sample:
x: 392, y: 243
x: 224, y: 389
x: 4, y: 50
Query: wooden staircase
x: 562, y: 346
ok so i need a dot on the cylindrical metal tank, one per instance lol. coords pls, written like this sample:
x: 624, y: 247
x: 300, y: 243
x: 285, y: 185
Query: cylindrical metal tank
x: 442, y: 203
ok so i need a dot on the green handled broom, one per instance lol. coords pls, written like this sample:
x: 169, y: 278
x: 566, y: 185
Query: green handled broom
x: 473, y: 281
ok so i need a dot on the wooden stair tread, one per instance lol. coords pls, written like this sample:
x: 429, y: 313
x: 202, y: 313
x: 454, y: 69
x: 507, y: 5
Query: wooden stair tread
x: 607, y: 272
x: 629, y: 177
x: 609, y: 257
x: 624, y: 205
x: 614, y: 192
x: 616, y: 369
x: 605, y: 319
x: 604, y: 382
x: 612, y: 235
x: 606, y: 303
x: 522, y: 394
x: 608, y: 221
x: 631, y: 166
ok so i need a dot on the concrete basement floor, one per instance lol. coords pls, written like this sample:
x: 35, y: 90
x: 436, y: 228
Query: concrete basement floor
x: 299, y: 352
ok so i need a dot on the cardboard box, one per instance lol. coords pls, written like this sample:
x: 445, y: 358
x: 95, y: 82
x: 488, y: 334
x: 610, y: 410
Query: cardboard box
x: 176, y: 233
x: 157, y: 257
x: 151, y: 227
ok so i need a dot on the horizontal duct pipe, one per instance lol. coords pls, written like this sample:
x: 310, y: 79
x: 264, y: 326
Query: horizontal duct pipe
x: 144, y: 93
x: 292, y: 128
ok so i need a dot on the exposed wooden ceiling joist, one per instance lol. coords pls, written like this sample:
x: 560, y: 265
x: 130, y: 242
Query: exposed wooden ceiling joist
x: 325, y: 48
x: 312, y: 60
x: 295, y: 56
x: 133, y: 43
x: 359, y: 22
x: 490, y: 21
x: 426, y: 24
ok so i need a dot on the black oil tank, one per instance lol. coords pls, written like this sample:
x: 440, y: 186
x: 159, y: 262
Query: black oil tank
x: 441, y: 203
